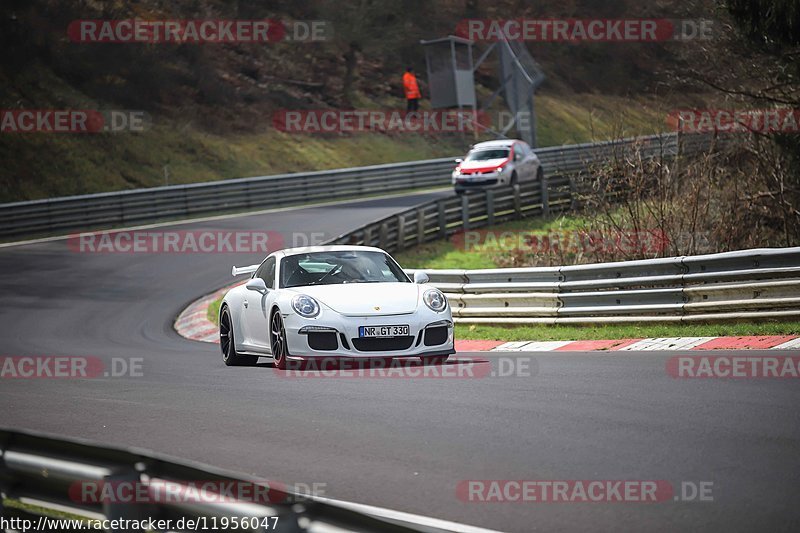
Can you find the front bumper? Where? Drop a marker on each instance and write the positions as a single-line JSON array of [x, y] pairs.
[[465, 182], [333, 335]]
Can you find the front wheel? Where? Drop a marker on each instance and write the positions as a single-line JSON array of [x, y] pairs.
[[280, 350], [227, 343], [429, 360], [514, 180]]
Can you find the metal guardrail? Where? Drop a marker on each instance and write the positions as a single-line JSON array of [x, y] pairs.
[[47, 476], [759, 283], [139, 206], [555, 193]]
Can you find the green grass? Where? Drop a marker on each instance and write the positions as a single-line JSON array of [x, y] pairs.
[[446, 254], [49, 165], [621, 331], [11, 503], [213, 310]]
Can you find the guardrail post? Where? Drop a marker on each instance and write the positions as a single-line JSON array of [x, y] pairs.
[[114, 510], [121, 210], [383, 235], [573, 194], [465, 211], [545, 194], [420, 214], [368, 236], [517, 201], [401, 232], [489, 207], [442, 217]]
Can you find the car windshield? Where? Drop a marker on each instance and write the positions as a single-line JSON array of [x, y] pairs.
[[485, 155], [330, 268]]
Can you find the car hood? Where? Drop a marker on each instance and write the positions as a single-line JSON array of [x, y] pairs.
[[365, 299], [482, 165]]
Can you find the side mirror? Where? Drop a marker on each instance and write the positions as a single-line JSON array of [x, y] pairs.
[[459, 161], [256, 284], [421, 277]]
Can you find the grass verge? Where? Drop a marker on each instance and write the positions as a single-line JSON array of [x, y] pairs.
[[621, 331], [11, 503], [448, 253], [213, 310]]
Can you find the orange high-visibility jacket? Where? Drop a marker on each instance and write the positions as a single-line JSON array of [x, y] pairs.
[[410, 86]]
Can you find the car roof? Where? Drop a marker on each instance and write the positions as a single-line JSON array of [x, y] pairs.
[[500, 143], [330, 248]]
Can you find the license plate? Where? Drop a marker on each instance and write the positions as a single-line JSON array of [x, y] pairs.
[[382, 331]]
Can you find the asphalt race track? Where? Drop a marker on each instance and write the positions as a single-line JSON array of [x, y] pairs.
[[399, 443]]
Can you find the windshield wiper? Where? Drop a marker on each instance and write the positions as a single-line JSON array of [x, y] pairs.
[[328, 273]]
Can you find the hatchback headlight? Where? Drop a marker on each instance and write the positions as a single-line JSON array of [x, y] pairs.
[[435, 300], [305, 306]]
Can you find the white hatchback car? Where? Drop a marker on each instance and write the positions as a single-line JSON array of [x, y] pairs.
[[506, 162], [333, 301]]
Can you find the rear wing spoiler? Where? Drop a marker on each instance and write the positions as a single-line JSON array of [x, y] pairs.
[[238, 271]]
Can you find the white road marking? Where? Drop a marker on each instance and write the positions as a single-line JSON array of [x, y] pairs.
[[414, 519], [543, 346], [510, 346], [669, 343], [793, 344]]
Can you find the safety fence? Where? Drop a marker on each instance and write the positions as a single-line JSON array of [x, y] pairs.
[[141, 206], [741, 285], [48, 481], [748, 284]]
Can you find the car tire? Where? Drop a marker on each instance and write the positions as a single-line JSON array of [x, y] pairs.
[[539, 174], [277, 338], [430, 360], [514, 181], [460, 192], [227, 342]]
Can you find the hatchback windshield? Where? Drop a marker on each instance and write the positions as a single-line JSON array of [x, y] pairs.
[[329, 268], [485, 155]]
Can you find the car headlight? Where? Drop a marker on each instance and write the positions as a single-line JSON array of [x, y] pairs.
[[435, 300], [305, 306]]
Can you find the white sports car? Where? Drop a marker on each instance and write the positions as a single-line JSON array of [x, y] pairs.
[[333, 301]]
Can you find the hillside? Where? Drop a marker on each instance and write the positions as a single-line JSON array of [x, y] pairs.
[[209, 106]]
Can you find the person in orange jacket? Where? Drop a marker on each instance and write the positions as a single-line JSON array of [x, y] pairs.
[[411, 89]]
